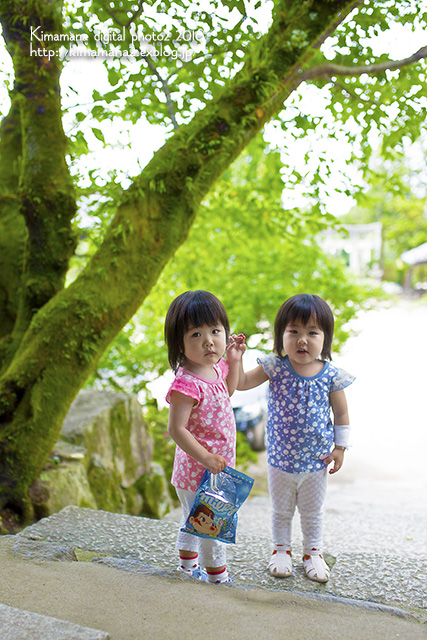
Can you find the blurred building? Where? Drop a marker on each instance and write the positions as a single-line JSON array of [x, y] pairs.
[[358, 244], [414, 258]]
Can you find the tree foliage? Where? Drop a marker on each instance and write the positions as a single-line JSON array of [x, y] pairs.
[[212, 103], [253, 254]]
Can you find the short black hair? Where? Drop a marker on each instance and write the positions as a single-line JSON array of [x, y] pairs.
[[191, 309], [302, 307]]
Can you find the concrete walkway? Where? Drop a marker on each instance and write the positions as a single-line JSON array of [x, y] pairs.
[[113, 575]]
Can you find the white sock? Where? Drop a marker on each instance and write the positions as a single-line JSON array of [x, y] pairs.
[[188, 564], [217, 578]]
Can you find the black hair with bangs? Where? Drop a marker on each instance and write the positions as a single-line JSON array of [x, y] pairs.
[[191, 309], [301, 308]]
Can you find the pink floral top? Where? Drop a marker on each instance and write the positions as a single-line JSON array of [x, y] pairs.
[[211, 422]]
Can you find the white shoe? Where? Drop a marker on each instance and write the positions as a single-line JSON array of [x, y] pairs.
[[280, 564], [195, 572], [316, 568]]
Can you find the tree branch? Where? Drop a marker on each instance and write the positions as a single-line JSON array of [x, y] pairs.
[[12, 224], [166, 91], [329, 69], [133, 17], [136, 13], [336, 22], [354, 95]]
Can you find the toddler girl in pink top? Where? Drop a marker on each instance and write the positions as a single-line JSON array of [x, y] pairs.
[[201, 419]]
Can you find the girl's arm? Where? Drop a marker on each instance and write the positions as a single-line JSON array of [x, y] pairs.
[[179, 414], [237, 376], [232, 376], [338, 403], [235, 350], [252, 378]]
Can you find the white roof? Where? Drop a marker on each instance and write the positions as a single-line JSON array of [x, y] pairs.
[[415, 256]]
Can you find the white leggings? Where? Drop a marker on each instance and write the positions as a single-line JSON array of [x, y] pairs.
[[303, 490], [212, 552]]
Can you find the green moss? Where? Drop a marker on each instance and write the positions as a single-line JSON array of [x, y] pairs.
[[12, 242], [68, 485], [35, 136], [134, 501], [105, 486], [83, 555], [153, 487]]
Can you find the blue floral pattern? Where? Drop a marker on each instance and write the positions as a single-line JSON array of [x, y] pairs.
[[299, 425]]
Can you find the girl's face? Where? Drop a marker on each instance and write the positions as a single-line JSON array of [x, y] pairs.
[[303, 343], [204, 345]]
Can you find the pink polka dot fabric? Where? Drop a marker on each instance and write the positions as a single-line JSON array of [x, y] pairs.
[[211, 422]]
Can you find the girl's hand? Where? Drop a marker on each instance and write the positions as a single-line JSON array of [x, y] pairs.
[[337, 457], [236, 348], [237, 340], [215, 463]]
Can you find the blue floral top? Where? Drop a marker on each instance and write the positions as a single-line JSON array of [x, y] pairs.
[[299, 426]]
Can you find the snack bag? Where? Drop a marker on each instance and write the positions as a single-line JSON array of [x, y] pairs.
[[218, 498]]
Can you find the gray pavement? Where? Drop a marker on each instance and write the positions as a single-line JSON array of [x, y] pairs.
[[16, 624], [365, 582], [375, 556], [133, 597]]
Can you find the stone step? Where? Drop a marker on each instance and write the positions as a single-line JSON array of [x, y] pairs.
[[143, 545], [17, 624]]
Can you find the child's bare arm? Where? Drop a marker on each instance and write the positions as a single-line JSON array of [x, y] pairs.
[[251, 379], [244, 380], [179, 413], [338, 403], [235, 350]]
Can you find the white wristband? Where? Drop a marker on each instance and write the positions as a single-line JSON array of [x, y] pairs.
[[342, 435]]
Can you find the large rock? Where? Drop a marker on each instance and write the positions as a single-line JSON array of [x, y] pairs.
[[103, 460]]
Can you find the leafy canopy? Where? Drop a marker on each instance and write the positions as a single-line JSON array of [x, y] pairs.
[[249, 251], [355, 111]]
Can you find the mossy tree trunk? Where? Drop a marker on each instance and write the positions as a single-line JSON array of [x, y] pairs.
[[53, 337], [12, 224], [38, 202]]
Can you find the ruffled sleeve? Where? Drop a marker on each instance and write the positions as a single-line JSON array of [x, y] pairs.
[[269, 363], [185, 386], [341, 380]]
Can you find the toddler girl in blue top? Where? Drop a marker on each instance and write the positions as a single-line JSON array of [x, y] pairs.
[[301, 438]]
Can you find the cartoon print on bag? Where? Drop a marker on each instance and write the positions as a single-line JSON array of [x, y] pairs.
[[203, 521]]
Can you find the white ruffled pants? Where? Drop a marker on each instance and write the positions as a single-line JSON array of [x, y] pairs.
[[212, 553]]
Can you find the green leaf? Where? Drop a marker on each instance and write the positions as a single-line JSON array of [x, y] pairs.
[[98, 134]]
